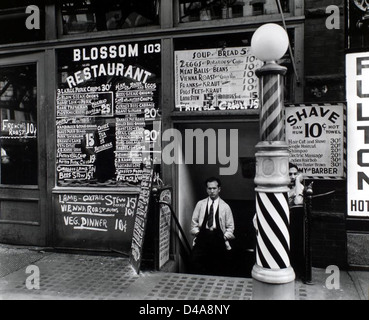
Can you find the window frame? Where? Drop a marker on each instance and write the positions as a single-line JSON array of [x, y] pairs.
[[110, 33], [296, 8]]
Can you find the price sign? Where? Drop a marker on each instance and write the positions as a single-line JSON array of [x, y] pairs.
[[315, 135], [107, 104], [216, 79]]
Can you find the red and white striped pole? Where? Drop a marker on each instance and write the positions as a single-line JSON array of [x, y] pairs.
[[269, 43]]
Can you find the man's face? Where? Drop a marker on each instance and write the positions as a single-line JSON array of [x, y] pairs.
[[213, 190], [293, 174]]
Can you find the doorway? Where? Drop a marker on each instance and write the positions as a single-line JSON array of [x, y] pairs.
[[22, 142], [237, 188]]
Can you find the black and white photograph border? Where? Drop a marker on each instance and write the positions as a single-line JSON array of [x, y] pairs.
[[184, 155]]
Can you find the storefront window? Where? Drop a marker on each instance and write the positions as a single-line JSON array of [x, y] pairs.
[[192, 10], [18, 115], [107, 113], [357, 24], [81, 16], [13, 17]]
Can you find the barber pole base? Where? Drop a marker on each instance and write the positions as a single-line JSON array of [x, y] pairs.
[[266, 291], [277, 276], [273, 215], [273, 239]]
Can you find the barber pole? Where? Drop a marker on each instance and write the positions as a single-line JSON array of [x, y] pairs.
[[272, 179], [271, 118]]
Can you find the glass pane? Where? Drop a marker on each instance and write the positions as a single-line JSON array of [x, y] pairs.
[[108, 113], [81, 16], [203, 10], [18, 115], [13, 15], [357, 21]]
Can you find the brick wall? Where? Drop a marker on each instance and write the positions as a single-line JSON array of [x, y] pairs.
[[325, 66], [329, 240], [324, 53], [328, 230]]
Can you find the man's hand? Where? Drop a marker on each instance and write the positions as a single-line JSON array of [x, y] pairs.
[[299, 178]]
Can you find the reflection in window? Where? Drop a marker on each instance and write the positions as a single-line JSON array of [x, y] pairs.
[[18, 116], [202, 10], [13, 15], [81, 16], [357, 24]]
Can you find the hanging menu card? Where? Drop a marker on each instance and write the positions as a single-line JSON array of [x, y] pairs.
[[106, 110]]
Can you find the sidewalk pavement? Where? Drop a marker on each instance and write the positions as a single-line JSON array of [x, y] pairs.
[[66, 276]]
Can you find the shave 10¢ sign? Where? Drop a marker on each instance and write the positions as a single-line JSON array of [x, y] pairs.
[[316, 139]]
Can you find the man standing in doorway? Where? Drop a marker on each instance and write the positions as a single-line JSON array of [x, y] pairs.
[[213, 226], [296, 203], [296, 193]]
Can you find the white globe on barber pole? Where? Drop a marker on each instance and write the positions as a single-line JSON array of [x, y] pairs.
[[269, 42]]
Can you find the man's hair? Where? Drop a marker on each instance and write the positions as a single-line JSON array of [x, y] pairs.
[[292, 165], [213, 179]]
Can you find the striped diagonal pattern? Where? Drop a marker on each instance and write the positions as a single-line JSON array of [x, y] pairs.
[[272, 116], [273, 239]]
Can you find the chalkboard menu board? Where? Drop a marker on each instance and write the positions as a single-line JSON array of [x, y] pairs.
[[107, 113], [95, 220], [106, 219], [220, 79]]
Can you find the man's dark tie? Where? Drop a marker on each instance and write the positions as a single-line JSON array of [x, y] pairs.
[[211, 216]]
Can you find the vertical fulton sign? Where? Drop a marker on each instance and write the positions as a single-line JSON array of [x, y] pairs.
[[357, 76]]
